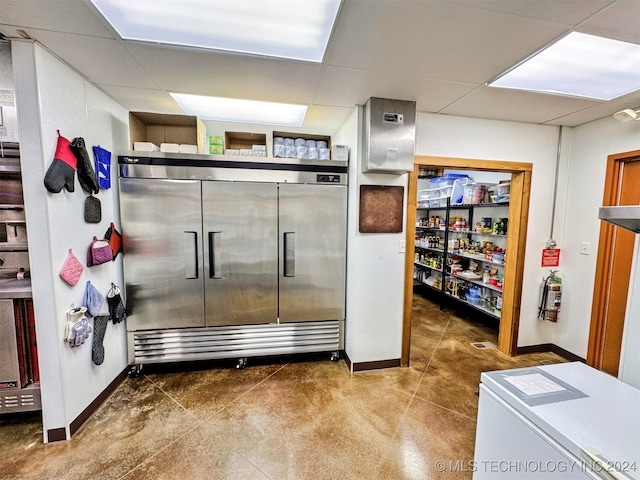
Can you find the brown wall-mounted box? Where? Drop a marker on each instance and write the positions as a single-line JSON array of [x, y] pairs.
[[158, 128]]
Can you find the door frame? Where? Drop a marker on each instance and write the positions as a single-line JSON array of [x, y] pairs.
[[516, 242], [604, 262]]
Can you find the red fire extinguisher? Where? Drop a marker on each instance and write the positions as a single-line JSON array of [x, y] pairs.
[[551, 298]]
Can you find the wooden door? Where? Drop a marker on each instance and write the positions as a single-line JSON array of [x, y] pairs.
[[615, 255]]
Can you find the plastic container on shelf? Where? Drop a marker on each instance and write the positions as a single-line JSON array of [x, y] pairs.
[[500, 198], [448, 179], [457, 190], [497, 257], [503, 188], [473, 299]]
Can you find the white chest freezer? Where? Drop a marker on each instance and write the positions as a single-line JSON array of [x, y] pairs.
[[555, 422]]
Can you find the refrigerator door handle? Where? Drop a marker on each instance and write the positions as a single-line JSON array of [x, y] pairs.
[[190, 255], [215, 259], [289, 267]]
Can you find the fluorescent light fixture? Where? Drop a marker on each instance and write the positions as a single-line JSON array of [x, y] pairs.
[[292, 29], [243, 111], [578, 65]]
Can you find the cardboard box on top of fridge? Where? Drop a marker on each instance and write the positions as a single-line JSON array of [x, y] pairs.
[[243, 140], [158, 128]]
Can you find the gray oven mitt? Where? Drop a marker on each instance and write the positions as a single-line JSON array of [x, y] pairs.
[[99, 329]]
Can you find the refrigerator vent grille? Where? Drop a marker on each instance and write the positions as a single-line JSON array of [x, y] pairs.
[[167, 345], [18, 402]]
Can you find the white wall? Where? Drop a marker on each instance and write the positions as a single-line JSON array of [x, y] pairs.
[[375, 268], [9, 116], [51, 96], [460, 137], [591, 143]]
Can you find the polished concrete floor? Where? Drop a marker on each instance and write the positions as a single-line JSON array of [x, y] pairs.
[[301, 417]]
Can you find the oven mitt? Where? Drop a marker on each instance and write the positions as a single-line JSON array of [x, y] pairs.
[[92, 210], [93, 299], [61, 172], [117, 310], [99, 329], [102, 160], [86, 174], [114, 238]]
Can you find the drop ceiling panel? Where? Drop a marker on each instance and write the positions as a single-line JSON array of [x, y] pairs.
[[73, 16], [347, 86], [620, 21], [586, 115], [143, 100], [325, 120], [444, 41], [600, 110], [570, 12], [504, 104], [225, 75], [104, 61]]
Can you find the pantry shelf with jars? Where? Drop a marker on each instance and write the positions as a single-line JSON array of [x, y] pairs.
[[461, 232]]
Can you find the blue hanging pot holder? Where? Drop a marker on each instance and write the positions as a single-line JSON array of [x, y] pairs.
[[102, 159]]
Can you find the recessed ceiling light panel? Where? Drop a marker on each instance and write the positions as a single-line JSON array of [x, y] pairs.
[[243, 111], [292, 29], [578, 65]]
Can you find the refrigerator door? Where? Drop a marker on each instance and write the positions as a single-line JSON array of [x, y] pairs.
[[162, 245], [241, 264], [312, 233]]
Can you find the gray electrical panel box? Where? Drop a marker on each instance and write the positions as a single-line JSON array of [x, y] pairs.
[[389, 135]]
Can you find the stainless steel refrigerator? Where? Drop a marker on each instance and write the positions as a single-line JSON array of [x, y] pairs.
[[232, 259]]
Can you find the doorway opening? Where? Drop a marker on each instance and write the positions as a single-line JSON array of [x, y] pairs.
[[515, 242]]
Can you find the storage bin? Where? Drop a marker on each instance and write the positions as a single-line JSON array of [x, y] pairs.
[[427, 193], [448, 178], [474, 291], [457, 190], [503, 188], [438, 202], [473, 299], [475, 193]]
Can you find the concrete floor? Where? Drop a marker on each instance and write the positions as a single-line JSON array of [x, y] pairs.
[[300, 417]]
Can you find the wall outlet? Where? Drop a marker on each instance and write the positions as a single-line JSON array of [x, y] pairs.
[[402, 246], [585, 248]]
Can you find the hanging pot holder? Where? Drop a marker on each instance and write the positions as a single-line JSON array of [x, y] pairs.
[[115, 240], [102, 160], [92, 210], [71, 269], [99, 252]]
